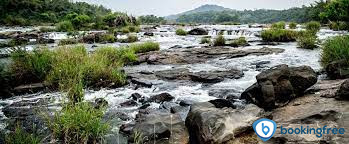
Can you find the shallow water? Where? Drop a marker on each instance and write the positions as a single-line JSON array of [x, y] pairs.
[[184, 90]]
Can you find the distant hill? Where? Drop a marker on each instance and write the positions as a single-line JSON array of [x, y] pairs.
[[203, 8], [217, 14]]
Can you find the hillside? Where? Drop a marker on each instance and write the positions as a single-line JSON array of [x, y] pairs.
[[203, 8]]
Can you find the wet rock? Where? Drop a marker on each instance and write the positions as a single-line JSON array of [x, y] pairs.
[[261, 64], [144, 106], [142, 82], [277, 86], [182, 111], [29, 89], [167, 105], [136, 96], [176, 47], [343, 91], [149, 34], [215, 76], [174, 74], [222, 103], [269, 43], [198, 31], [127, 128], [129, 103], [338, 70], [160, 98], [111, 114], [210, 125], [162, 128], [100, 103], [186, 103], [45, 41], [223, 93]]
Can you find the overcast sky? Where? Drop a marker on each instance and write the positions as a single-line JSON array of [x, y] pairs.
[[168, 7]]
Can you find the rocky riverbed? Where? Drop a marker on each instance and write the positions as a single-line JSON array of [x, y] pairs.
[[192, 92]]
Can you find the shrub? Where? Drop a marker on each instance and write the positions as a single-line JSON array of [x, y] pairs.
[[181, 32], [335, 49], [67, 42], [278, 25], [132, 38], [313, 26], [219, 41], [81, 21], [65, 26], [134, 29], [307, 40], [79, 123], [47, 29], [145, 47], [279, 35], [205, 40], [125, 30], [17, 42], [292, 25], [19, 136], [241, 41], [339, 26], [107, 38]]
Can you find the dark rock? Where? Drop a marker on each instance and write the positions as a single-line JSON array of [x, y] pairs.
[[343, 91], [223, 93], [221, 103], [160, 98], [338, 70], [29, 89], [45, 41], [167, 105], [136, 96], [129, 103], [198, 31], [186, 103], [210, 125], [149, 34], [127, 128], [142, 82], [144, 106], [277, 86], [215, 76], [100, 103], [111, 114]]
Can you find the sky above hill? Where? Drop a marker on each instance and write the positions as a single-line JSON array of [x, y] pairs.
[[169, 7]]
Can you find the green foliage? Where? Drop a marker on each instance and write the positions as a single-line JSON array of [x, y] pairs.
[[132, 38], [145, 47], [313, 26], [278, 25], [125, 30], [151, 19], [20, 136], [119, 20], [181, 32], [292, 25], [335, 49], [65, 26], [81, 21], [79, 123], [279, 35], [241, 41], [110, 38], [219, 41], [336, 10], [134, 29], [47, 29], [307, 40], [205, 40], [209, 17], [67, 42], [339, 26]]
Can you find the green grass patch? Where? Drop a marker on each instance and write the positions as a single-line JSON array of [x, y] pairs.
[[205, 40], [292, 25], [79, 123], [67, 42], [241, 41], [219, 41], [181, 32], [307, 40], [279, 25], [145, 47], [20, 136], [64, 26], [313, 26], [110, 38], [335, 49], [279, 35]]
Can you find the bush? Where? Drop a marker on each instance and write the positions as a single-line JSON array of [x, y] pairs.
[[241, 41], [134, 29], [307, 40], [205, 40], [79, 123], [47, 29], [132, 38], [181, 32], [65, 26], [292, 25], [107, 38], [145, 47], [335, 49], [313, 26], [67, 42], [219, 41], [19, 136], [339, 26], [81, 21], [125, 30], [278, 25], [279, 35]]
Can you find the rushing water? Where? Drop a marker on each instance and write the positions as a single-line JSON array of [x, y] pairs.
[[184, 90]]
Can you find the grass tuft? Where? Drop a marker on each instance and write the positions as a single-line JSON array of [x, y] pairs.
[[19, 136], [279, 35], [181, 32], [219, 41], [145, 47], [241, 41], [335, 49], [292, 25]]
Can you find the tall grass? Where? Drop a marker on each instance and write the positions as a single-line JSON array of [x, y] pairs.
[[219, 41], [67, 42], [145, 47], [181, 32], [307, 40], [279, 35], [313, 26], [20, 136], [79, 123], [279, 25], [65, 26], [292, 25], [205, 40], [241, 41], [334, 49]]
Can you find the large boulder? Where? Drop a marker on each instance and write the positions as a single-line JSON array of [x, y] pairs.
[[277, 86], [343, 91], [160, 98], [198, 31], [337, 69], [208, 124]]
